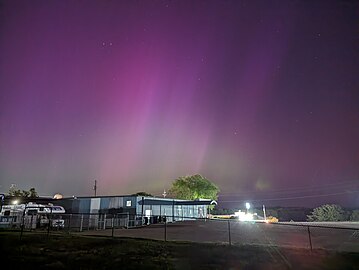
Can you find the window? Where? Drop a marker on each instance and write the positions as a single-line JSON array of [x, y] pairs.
[[128, 203], [148, 213], [31, 212]]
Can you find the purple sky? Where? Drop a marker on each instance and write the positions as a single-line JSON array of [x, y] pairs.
[[261, 97]]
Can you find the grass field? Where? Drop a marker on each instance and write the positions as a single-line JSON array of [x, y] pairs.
[[37, 251]]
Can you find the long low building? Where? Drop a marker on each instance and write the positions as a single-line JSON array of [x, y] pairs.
[[146, 209]]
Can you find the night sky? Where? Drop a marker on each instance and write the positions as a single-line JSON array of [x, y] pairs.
[[261, 97]]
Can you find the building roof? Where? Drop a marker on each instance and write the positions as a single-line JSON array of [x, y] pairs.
[[149, 201], [153, 200]]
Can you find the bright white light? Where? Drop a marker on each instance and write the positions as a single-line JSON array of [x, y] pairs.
[[242, 216], [15, 201], [248, 205]]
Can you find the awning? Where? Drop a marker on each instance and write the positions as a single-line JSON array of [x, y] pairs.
[[176, 202]]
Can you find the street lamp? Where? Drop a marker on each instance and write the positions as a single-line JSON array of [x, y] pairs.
[[248, 205]]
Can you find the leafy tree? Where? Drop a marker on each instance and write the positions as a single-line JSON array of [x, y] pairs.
[[355, 215], [193, 187], [142, 193], [24, 193], [33, 193], [327, 212]]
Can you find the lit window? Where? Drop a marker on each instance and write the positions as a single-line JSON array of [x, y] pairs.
[[128, 203]]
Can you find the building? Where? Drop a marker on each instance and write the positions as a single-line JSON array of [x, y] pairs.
[[139, 210]]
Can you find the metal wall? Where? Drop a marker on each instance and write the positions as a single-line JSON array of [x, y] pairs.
[[151, 209]]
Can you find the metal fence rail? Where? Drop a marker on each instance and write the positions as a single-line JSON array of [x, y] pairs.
[[231, 231]]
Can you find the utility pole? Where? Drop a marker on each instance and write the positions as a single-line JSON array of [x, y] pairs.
[[95, 187], [164, 194], [264, 213]]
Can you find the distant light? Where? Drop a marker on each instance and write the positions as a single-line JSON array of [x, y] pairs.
[[242, 216], [58, 196], [15, 202], [248, 205]]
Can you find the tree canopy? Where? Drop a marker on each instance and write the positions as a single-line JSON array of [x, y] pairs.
[[142, 193], [193, 187], [31, 193], [327, 212]]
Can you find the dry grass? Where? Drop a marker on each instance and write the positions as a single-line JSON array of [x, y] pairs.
[[73, 252]]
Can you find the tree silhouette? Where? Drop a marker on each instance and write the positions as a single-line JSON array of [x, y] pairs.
[[327, 212], [193, 187]]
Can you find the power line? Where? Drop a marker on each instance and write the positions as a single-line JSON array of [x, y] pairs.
[[296, 197], [349, 184], [311, 187]]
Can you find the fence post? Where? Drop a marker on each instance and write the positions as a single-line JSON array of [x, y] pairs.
[[104, 222], [165, 229], [22, 224], [69, 227], [112, 224], [50, 221], [81, 222], [48, 227], [229, 233], [310, 239]]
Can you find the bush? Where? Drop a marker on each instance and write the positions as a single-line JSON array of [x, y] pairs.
[[355, 215], [327, 212]]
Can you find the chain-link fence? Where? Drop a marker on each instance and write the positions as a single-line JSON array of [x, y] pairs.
[[231, 231]]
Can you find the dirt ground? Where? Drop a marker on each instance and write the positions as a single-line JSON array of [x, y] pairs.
[[212, 231], [62, 251]]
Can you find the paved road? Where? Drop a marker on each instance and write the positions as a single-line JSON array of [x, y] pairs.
[[245, 233]]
